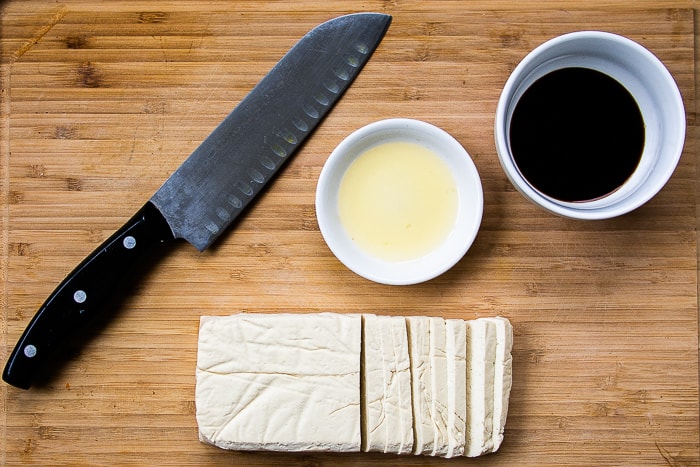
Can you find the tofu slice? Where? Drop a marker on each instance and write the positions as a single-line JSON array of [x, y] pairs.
[[375, 413], [456, 345], [503, 378], [418, 328], [397, 384], [279, 382], [481, 356], [439, 386]]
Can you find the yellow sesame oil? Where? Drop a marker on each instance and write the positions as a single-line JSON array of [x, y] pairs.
[[398, 201]]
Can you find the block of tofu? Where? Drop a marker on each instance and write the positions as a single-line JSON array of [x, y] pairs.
[[279, 382], [456, 345], [503, 378], [387, 413], [440, 385], [418, 328], [481, 356]]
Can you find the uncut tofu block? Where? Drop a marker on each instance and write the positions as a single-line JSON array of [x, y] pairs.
[[279, 382], [386, 375]]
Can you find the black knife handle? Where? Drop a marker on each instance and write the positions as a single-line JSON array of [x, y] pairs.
[[84, 294]]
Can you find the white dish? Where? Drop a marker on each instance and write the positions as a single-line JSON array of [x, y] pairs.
[[469, 204], [647, 80]]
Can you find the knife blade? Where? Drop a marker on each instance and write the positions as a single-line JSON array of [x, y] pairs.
[[216, 182]]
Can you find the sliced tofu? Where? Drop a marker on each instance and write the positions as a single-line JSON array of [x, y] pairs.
[[456, 345], [279, 382], [503, 378], [418, 328], [397, 385], [481, 356], [439, 386], [340, 382], [374, 413], [387, 417]]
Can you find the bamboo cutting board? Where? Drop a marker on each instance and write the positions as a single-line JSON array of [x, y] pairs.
[[101, 101]]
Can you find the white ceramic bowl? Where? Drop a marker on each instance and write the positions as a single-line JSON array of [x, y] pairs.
[[649, 82], [469, 210]]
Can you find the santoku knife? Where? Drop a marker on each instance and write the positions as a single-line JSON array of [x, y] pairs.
[[215, 184]]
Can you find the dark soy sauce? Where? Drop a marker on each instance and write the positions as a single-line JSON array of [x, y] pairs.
[[576, 134]]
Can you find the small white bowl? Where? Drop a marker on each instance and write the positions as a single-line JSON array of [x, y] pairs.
[[645, 77], [469, 209]]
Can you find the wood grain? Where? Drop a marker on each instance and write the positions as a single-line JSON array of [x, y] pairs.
[[101, 101]]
